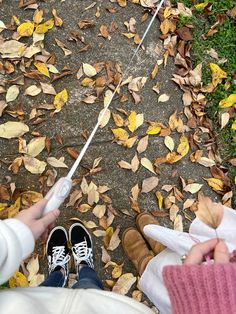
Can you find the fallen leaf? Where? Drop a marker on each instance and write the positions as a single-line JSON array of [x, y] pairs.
[[12, 93], [122, 3], [18, 280], [217, 74], [57, 20], [29, 198], [38, 16], [115, 240], [34, 165], [120, 134], [25, 29], [193, 187], [173, 157], [163, 98], [119, 121], [12, 49], [42, 68], [57, 163], [154, 128], [160, 199], [216, 184], [89, 70], [60, 99], [48, 89], [178, 223], [142, 144], [44, 27], [147, 164], [169, 143], [206, 162], [36, 146], [13, 129], [183, 147], [33, 90], [149, 184], [228, 102], [124, 283], [106, 117], [224, 119], [125, 165], [99, 210]]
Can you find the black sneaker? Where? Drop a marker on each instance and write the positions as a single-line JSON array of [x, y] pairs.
[[82, 246], [58, 252]]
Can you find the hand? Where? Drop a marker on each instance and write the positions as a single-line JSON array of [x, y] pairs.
[[32, 217], [215, 248]]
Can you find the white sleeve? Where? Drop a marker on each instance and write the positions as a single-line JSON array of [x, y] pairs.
[[16, 243]]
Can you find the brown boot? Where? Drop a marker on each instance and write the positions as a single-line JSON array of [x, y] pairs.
[[136, 249], [144, 219]]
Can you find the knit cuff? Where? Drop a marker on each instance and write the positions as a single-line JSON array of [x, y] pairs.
[[205, 289], [23, 234]]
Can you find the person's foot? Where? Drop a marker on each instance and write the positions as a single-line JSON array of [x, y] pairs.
[[82, 246], [136, 249], [142, 220], [58, 252]]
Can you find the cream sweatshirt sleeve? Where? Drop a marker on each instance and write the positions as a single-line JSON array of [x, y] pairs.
[[16, 243]]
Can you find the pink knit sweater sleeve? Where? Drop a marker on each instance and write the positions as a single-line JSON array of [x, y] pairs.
[[202, 289]]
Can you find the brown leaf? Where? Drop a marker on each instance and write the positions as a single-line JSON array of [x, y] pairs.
[[184, 33], [115, 240], [104, 32], [72, 152], [149, 184], [83, 24], [4, 193], [208, 212], [142, 144]]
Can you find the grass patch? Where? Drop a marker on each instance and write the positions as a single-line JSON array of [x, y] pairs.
[[224, 43]]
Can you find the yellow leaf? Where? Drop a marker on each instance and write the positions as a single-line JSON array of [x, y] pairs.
[[154, 128], [173, 157], [201, 6], [87, 82], [26, 29], [217, 74], [60, 99], [160, 199], [216, 184], [122, 3], [38, 16], [228, 102], [43, 28], [120, 134], [42, 68], [18, 280], [14, 209], [233, 127], [132, 121], [183, 147]]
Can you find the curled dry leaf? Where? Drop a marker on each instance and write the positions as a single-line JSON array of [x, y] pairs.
[[57, 163], [13, 129], [208, 212], [149, 184], [115, 240], [124, 283], [29, 198]]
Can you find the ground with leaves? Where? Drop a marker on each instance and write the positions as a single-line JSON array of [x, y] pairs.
[[155, 149]]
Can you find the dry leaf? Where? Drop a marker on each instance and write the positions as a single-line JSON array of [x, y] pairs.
[[147, 164], [124, 283], [42, 68], [60, 99], [163, 98], [12, 93], [169, 143], [25, 29], [57, 163], [178, 223], [89, 70], [115, 240], [13, 129], [105, 118], [34, 165], [29, 198], [183, 147], [208, 212], [142, 144], [216, 184], [193, 187], [33, 90], [149, 184], [18, 280], [99, 210], [48, 89]]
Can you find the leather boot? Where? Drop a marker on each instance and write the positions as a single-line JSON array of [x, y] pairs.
[[142, 220], [136, 249]]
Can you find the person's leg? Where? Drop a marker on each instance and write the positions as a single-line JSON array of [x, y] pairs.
[[55, 279], [82, 249], [58, 258], [87, 279]]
